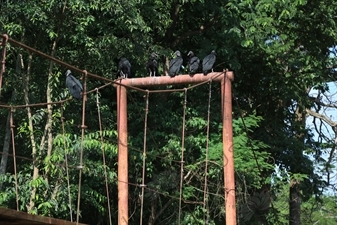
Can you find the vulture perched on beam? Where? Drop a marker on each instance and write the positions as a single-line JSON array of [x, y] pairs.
[[124, 68], [175, 64], [193, 63], [152, 65], [75, 87], [208, 62]]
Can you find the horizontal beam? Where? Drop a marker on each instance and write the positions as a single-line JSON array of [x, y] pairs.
[[180, 79], [10, 216]]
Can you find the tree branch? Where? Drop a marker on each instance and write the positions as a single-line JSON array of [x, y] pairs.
[[322, 117], [317, 101]]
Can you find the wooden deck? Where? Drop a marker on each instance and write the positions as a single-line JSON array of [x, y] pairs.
[[13, 217]]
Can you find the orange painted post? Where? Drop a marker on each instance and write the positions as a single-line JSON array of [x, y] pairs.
[[122, 126], [228, 154], [226, 103], [177, 80]]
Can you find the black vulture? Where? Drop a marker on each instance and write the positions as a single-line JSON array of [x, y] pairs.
[[208, 62], [193, 63], [124, 68], [75, 87], [152, 64], [175, 64]]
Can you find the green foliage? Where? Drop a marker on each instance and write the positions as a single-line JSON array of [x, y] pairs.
[[278, 50], [250, 156], [320, 212]]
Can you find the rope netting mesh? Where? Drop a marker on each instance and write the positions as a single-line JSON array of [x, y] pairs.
[[144, 153], [182, 176]]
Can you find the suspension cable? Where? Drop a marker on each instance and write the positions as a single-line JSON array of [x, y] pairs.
[[83, 127], [206, 215], [100, 87], [34, 104], [144, 158], [103, 153], [66, 161], [182, 156], [14, 159]]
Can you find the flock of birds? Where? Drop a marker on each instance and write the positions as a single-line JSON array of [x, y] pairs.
[[124, 66], [124, 69]]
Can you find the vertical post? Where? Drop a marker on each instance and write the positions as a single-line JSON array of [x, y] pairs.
[[227, 138], [122, 155]]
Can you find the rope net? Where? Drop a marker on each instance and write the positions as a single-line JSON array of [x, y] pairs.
[[162, 162], [170, 169], [160, 154]]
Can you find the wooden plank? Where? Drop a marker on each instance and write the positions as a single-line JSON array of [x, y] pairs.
[[13, 217]]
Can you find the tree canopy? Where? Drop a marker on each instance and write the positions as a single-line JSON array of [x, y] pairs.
[[283, 57]]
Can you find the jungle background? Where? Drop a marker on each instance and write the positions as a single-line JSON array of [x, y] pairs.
[[282, 53]]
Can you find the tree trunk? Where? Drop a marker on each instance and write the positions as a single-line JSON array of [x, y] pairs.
[[294, 188], [49, 122], [5, 150], [48, 127], [152, 217], [7, 140], [294, 203], [31, 204]]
